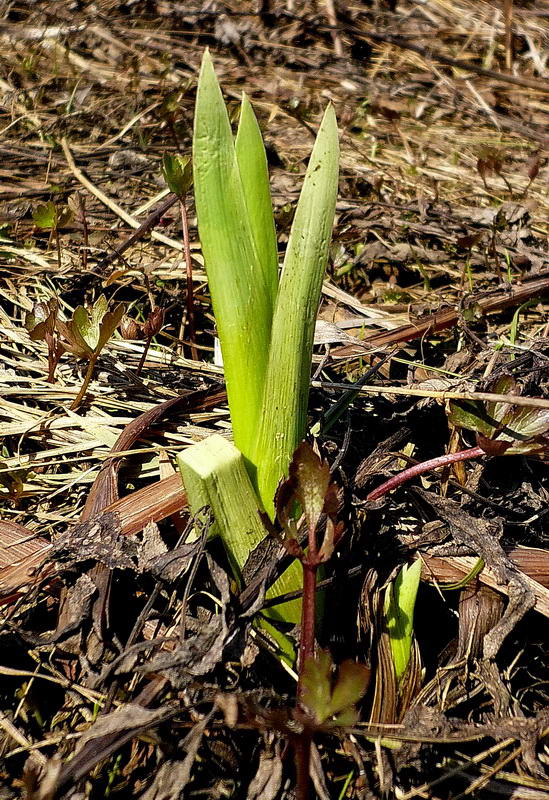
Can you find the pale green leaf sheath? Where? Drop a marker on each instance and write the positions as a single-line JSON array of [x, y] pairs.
[[215, 476], [400, 600], [286, 392], [241, 290]]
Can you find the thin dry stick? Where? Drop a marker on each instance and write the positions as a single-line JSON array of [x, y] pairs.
[[57, 245], [332, 19], [508, 20], [84, 220], [128, 219], [410, 391], [189, 269]]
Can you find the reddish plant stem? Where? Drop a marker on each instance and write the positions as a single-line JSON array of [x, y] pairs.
[[307, 638], [52, 361], [85, 233], [302, 750], [86, 382], [143, 355], [424, 466], [189, 268], [302, 743]]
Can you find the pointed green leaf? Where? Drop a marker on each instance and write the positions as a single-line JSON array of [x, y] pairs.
[[252, 164], [241, 296], [345, 718], [287, 380], [400, 600], [316, 685], [108, 325], [352, 682]]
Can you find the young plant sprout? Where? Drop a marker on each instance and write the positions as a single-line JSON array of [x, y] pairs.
[[265, 324], [501, 429]]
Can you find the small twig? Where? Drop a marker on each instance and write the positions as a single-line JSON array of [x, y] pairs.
[[144, 355], [437, 394], [332, 19], [189, 270], [128, 219], [508, 21], [485, 303], [85, 233]]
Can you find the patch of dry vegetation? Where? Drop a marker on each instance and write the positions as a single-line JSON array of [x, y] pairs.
[[127, 663]]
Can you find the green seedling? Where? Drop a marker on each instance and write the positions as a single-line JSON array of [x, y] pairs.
[[332, 703], [265, 325], [501, 429], [51, 217], [177, 171], [400, 600], [310, 495], [325, 704], [41, 325], [12, 478], [87, 333]]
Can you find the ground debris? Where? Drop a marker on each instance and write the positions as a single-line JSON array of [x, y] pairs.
[[120, 634]]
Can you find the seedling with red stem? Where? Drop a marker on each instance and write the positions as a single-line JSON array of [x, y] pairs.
[[501, 429]]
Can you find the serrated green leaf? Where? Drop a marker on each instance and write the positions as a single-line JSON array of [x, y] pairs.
[[90, 328], [45, 216], [178, 173], [345, 718], [109, 324], [316, 685], [352, 682], [73, 341]]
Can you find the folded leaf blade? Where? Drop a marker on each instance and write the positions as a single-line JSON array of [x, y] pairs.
[[240, 296], [254, 174], [287, 379]]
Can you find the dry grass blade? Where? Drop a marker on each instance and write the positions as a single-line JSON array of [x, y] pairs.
[[21, 554]]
